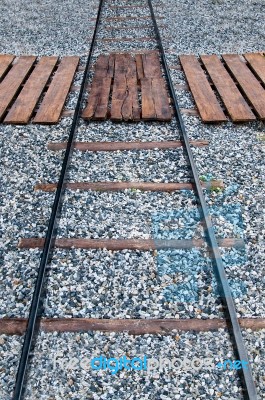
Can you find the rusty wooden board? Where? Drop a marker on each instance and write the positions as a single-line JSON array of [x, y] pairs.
[[97, 107], [123, 96], [257, 64], [116, 186], [114, 146], [129, 244], [234, 102], [205, 99], [151, 326], [12, 82], [27, 99], [248, 83], [53, 102]]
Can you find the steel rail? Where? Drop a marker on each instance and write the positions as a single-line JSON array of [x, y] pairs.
[[250, 392], [35, 314]]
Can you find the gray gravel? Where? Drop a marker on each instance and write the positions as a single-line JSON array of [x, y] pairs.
[[129, 284], [236, 155], [46, 27], [127, 132], [132, 284], [77, 383], [213, 26], [49, 382], [141, 165]]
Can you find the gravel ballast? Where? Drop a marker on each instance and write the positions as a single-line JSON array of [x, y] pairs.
[[132, 284]]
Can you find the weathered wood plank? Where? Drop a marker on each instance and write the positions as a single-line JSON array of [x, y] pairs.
[[114, 186], [155, 105], [68, 113], [104, 67], [162, 108], [257, 64], [234, 102], [127, 18], [205, 99], [127, 39], [53, 102], [97, 106], [176, 67], [27, 99], [181, 87], [114, 146], [5, 62], [129, 244], [17, 326], [151, 65], [124, 104], [148, 103], [190, 111], [247, 82], [139, 66], [13, 80], [131, 6]]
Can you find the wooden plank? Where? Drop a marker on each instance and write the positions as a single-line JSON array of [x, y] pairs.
[[130, 108], [162, 108], [127, 18], [155, 105], [148, 103], [27, 99], [139, 66], [176, 67], [133, 7], [5, 62], [10, 86], [68, 113], [114, 146], [205, 99], [75, 88], [257, 64], [247, 82], [114, 186], [53, 102], [234, 102], [181, 87], [97, 105], [104, 67], [190, 111], [129, 244], [128, 39], [119, 28], [151, 65], [124, 104], [17, 326]]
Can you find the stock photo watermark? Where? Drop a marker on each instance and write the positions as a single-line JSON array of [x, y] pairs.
[[186, 226], [144, 364]]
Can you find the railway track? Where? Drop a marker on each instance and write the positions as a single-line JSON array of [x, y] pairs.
[[190, 182]]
